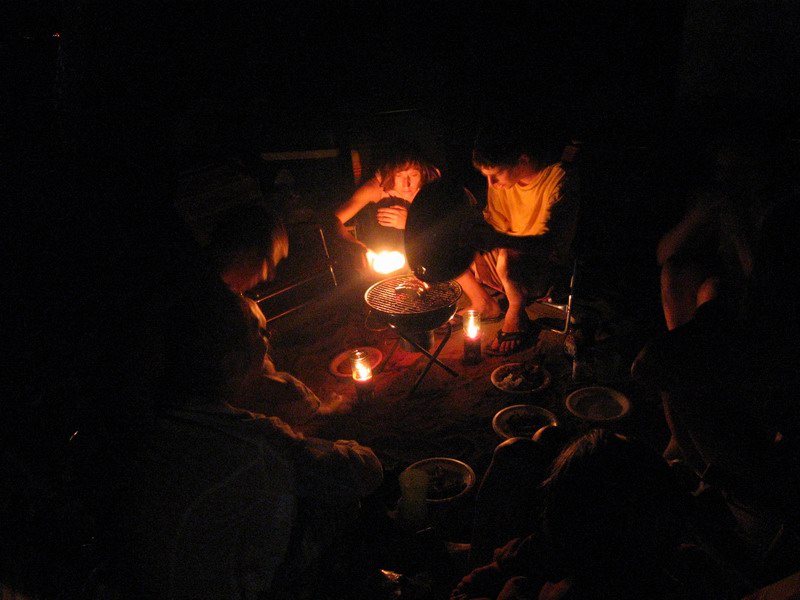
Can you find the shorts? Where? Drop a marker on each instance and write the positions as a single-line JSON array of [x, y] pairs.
[[532, 273]]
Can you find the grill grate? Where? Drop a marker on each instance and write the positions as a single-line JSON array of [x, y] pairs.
[[383, 297]]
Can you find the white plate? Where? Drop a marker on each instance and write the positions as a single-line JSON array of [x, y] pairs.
[[340, 366], [522, 420], [598, 403], [503, 371], [448, 478]]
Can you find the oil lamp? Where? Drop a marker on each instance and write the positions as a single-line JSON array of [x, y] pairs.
[[386, 261], [362, 375], [471, 321]]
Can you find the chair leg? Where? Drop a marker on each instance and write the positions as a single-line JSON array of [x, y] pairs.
[[328, 256], [565, 308], [568, 311], [327, 263]]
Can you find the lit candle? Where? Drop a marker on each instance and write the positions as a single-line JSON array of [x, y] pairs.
[[362, 375], [471, 320]]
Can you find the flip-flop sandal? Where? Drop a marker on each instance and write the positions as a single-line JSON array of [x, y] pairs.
[[523, 337]]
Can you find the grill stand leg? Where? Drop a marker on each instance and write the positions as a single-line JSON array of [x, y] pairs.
[[432, 358], [388, 357]]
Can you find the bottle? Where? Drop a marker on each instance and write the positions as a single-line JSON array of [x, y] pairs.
[[576, 348], [412, 505]]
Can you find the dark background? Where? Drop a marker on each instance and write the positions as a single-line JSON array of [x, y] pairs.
[[106, 104]]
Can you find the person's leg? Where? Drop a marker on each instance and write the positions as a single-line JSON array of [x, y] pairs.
[[708, 291], [680, 285], [516, 319], [479, 298], [680, 446]]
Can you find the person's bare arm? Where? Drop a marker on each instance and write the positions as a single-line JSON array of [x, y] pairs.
[[368, 192], [694, 226]]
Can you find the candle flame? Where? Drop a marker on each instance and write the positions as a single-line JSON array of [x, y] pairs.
[[359, 364], [386, 261], [472, 324], [361, 372]]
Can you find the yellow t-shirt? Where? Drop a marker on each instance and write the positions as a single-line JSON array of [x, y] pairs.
[[525, 210]]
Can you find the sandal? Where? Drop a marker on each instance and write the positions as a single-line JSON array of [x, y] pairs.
[[524, 339]]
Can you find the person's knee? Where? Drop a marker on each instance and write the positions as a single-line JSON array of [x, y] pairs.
[[683, 278], [669, 273], [502, 264], [708, 290]]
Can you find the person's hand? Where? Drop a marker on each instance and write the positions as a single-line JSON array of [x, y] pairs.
[[393, 216]]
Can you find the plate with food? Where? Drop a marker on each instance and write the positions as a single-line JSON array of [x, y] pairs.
[[522, 420], [448, 478], [597, 403], [521, 378]]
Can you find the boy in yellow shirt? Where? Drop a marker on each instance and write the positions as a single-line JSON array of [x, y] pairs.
[[533, 200]]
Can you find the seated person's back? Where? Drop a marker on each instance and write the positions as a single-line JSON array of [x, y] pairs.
[[211, 510], [245, 247], [216, 497]]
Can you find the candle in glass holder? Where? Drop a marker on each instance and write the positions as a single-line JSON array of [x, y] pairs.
[[471, 320], [362, 375]]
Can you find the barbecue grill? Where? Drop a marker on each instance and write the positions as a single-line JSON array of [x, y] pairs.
[[414, 309]]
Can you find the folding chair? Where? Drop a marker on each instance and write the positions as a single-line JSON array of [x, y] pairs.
[[550, 300], [303, 277]]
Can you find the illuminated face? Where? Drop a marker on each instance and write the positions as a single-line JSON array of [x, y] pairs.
[[407, 182], [503, 178]]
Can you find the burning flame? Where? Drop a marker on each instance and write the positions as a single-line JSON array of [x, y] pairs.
[[386, 262], [472, 324], [359, 363], [362, 372]]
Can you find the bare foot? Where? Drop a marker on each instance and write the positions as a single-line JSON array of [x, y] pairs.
[[488, 310]]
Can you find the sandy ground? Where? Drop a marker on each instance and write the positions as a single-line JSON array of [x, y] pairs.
[[447, 416]]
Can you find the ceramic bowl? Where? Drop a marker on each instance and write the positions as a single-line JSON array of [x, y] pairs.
[[598, 404], [448, 478], [508, 379]]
